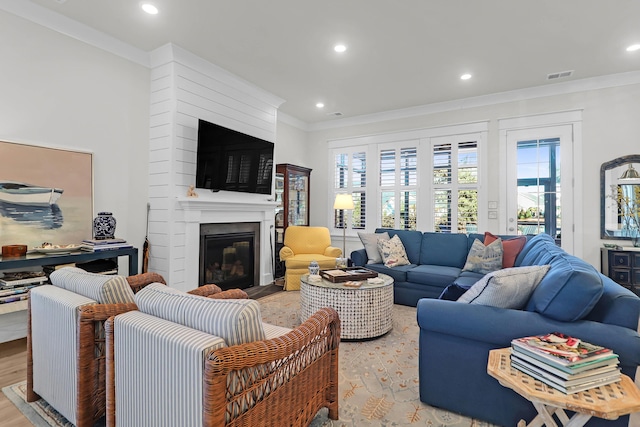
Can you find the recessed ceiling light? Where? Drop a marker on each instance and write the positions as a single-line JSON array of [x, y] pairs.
[[633, 47], [339, 48], [320, 105], [465, 76], [149, 8]]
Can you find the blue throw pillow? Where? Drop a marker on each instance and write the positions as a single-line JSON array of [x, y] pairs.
[[453, 292]]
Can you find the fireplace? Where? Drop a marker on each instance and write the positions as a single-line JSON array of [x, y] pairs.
[[229, 255]]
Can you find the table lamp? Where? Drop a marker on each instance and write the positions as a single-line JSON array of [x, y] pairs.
[[343, 202]]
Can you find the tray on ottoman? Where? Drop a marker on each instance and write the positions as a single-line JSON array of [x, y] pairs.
[[347, 274]]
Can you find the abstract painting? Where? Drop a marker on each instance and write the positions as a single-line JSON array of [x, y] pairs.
[[46, 195]]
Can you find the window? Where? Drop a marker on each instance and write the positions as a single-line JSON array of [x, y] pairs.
[[455, 186], [423, 179], [399, 186], [351, 177]]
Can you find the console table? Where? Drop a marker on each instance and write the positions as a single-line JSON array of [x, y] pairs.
[[13, 316]]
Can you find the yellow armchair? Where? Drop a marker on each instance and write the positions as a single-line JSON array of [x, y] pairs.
[[303, 245]]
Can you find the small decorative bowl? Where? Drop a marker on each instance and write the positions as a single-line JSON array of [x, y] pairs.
[[610, 245]]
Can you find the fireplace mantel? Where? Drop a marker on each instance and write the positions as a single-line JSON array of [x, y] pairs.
[[225, 207]]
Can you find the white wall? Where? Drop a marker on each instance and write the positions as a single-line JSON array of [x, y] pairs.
[[57, 91], [610, 129]]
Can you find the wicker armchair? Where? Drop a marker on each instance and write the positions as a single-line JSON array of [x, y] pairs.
[[89, 393], [283, 380]]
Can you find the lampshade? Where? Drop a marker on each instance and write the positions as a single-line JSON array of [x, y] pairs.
[[630, 173], [343, 201]]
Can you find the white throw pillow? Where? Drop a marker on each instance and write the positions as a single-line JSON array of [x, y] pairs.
[[484, 259], [370, 242], [393, 252], [506, 288]]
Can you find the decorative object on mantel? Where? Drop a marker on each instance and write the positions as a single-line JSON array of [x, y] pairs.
[[13, 251], [191, 192], [104, 226]]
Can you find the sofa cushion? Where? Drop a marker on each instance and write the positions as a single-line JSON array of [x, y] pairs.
[[510, 247], [506, 288], [105, 289], [392, 252], [434, 275], [370, 242], [484, 259], [569, 291], [533, 245], [237, 321], [399, 274], [447, 249]]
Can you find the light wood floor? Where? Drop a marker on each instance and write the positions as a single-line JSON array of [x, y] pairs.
[[13, 369]]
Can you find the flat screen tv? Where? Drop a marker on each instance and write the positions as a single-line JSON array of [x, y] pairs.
[[232, 161]]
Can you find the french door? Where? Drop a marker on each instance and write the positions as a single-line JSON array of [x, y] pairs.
[[539, 186]]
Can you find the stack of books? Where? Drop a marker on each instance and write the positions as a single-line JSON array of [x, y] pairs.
[[15, 286], [96, 245], [565, 363]]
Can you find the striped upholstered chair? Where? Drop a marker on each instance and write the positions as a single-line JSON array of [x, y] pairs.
[[183, 360], [65, 340]]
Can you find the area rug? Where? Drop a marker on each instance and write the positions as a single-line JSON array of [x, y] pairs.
[[378, 383]]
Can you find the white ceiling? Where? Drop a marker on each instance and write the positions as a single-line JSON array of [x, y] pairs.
[[401, 53]]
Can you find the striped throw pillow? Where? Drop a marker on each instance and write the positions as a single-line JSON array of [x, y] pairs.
[[105, 289]]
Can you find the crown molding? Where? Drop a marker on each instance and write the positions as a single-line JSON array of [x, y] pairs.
[[74, 29], [293, 121], [582, 85]]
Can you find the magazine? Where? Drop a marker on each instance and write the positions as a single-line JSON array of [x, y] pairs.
[[578, 379], [573, 388], [576, 371], [564, 349]]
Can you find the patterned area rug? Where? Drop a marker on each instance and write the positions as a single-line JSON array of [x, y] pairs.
[[378, 381]]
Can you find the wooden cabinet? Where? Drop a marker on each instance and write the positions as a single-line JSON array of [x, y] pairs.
[[623, 266], [292, 192]]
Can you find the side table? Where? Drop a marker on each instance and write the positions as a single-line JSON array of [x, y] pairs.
[[608, 402]]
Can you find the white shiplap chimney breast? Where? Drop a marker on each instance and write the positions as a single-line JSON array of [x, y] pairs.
[[185, 88]]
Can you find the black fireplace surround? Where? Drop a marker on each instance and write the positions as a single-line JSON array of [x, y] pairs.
[[230, 254]]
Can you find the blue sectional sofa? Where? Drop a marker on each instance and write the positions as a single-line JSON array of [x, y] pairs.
[[455, 337], [437, 260]]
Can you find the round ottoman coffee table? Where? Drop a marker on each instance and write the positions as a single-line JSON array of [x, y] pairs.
[[365, 312]]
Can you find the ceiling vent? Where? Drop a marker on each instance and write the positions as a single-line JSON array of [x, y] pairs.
[[559, 75], [60, 1], [335, 114]]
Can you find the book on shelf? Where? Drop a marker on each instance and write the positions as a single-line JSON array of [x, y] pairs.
[[97, 242], [16, 291], [579, 371], [567, 386], [561, 349], [109, 247], [11, 280], [13, 298]]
